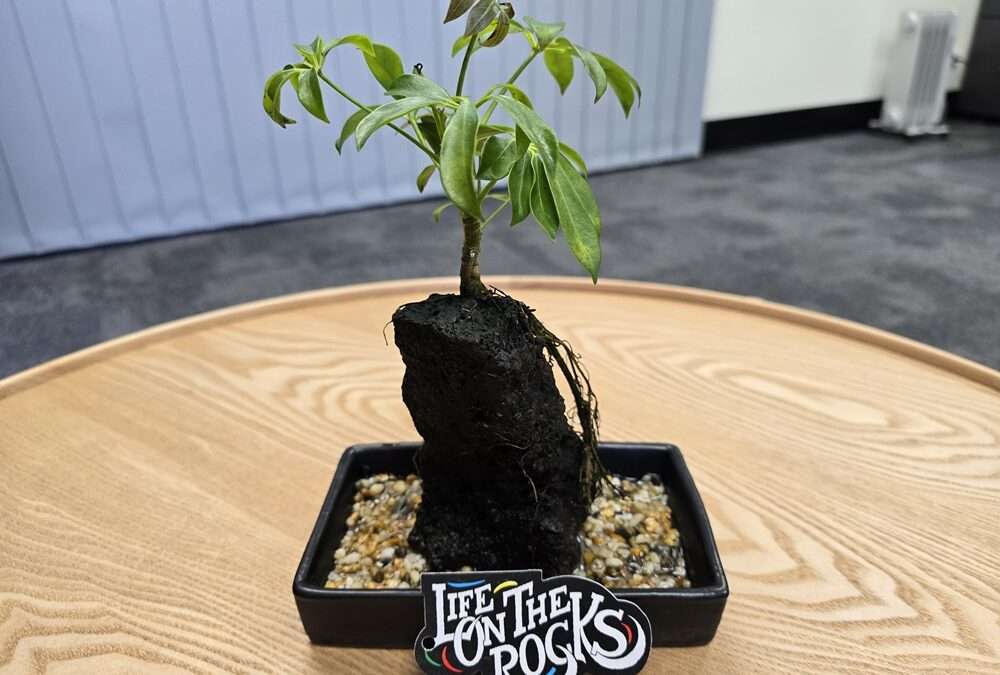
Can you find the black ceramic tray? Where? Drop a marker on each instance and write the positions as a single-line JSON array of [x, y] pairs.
[[391, 618]]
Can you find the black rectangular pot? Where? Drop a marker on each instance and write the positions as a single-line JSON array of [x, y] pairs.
[[391, 618]]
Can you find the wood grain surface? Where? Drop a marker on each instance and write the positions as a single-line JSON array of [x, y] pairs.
[[157, 491]]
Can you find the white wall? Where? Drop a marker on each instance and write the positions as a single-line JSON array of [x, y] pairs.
[[774, 55]]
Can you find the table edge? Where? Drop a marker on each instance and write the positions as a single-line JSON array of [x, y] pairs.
[[892, 342]]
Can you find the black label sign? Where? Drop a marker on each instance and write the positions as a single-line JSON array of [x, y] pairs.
[[516, 623]]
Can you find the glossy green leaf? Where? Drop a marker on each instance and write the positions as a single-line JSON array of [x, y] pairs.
[[498, 156], [272, 96], [409, 84], [594, 69], [362, 42], [457, 8], [385, 65], [462, 41], [424, 176], [522, 141], [439, 210], [310, 95], [534, 127], [543, 207], [579, 216], [306, 52], [574, 157], [386, 113], [317, 49], [458, 149], [501, 26], [514, 92], [560, 64], [519, 185], [487, 130], [481, 15], [623, 84], [544, 32], [350, 124], [429, 130]]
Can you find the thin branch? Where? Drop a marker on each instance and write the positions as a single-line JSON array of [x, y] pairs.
[[517, 73], [482, 225], [361, 105], [486, 190]]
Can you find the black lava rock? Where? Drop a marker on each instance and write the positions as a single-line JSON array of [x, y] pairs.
[[501, 466]]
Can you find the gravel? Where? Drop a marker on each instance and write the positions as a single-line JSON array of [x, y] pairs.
[[628, 541]]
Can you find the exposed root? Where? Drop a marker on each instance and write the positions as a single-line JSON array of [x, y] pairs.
[[560, 352]]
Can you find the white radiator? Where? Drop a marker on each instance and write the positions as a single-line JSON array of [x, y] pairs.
[[917, 76]]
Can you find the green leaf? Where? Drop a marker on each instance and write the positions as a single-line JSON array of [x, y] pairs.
[[310, 95], [386, 113], [272, 96], [623, 84], [498, 156], [418, 85], [385, 65], [515, 93], [519, 185], [578, 215], [439, 210], [429, 130], [594, 69], [317, 49], [544, 32], [543, 207], [350, 124], [573, 156], [481, 15], [457, 8], [501, 26], [306, 52], [362, 42], [458, 149], [460, 44], [522, 141], [534, 127], [487, 130], [425, 175], [560, 64]]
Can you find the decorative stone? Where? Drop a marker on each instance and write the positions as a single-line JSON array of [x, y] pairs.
[[628, 540]]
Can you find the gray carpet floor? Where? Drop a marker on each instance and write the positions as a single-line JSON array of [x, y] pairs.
[[903, 236]]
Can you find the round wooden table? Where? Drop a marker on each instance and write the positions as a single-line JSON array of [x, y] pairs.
[[157, 490]]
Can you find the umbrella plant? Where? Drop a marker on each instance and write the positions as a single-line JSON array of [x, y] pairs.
[[478, 378]]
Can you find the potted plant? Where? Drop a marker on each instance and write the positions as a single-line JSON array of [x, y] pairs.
[[506, 482]]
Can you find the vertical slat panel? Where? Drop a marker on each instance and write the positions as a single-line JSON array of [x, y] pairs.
[[188, 37], [238, 50], [149, 122], [149, 54], [69, 106], [696, 30], [14, 232], [35, 168]]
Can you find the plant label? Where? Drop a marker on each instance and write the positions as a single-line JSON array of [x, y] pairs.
[[517, 623]]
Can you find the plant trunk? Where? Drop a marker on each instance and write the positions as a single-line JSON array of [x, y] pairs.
[[504, 474], [471, 286]]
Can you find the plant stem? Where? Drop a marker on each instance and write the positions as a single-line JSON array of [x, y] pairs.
[[486, 190], [465, 65], [470, 285], [361, 105], [496, 212], [517, 73]]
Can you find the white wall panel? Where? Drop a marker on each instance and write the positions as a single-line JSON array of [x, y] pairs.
[[770, 56], [126, 119]]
